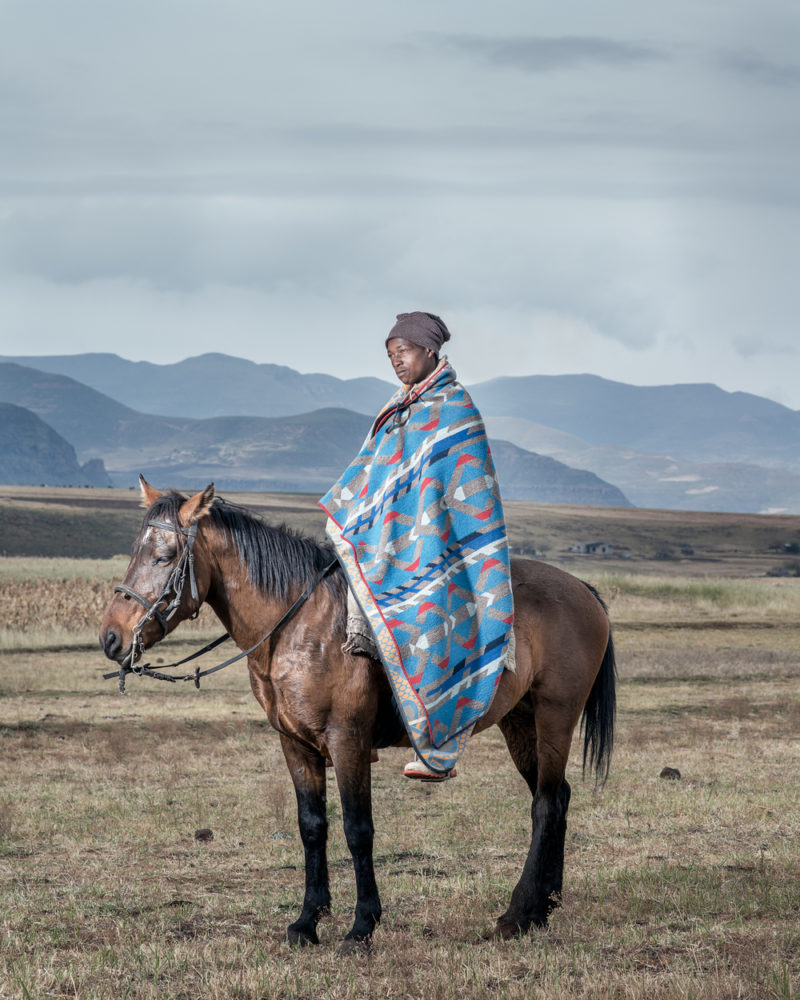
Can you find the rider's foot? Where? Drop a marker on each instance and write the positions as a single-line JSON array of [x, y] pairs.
[[417, 768]]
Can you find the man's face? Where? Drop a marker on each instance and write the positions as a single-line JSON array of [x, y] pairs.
[[411, 362]]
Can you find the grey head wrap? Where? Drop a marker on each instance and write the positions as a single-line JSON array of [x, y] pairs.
[[420, 328]]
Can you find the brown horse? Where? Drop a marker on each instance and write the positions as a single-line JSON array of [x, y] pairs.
[[330, 705]]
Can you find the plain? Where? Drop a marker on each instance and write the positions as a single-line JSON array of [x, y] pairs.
[[683, 888]]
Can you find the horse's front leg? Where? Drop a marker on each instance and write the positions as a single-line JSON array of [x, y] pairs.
[[308, 774], [352, 767]]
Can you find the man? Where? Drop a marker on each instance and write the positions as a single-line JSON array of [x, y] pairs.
[[417, 523]]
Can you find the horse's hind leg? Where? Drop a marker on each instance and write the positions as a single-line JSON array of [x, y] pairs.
[[541, 758], [308, 774]]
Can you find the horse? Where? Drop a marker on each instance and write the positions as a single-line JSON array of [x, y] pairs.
[[328, 705]]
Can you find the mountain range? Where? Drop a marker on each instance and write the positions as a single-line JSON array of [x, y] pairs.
[[260, 426], [212, 385], [297, 453]]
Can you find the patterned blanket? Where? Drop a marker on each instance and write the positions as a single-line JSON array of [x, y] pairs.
[[418, 526]]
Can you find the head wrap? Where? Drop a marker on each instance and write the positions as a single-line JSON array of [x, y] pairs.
[[420, 328]]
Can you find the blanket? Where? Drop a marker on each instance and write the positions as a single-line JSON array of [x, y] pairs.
[[417, 523]]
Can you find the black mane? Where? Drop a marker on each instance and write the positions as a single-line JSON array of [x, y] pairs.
[[279, 561]]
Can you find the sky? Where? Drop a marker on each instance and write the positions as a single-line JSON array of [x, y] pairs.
[[609, 188]]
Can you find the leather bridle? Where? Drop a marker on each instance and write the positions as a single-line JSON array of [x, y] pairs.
[[170, 596]]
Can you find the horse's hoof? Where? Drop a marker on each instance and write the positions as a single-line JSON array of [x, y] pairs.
[[354, 946], [505, 931], [301, 937]]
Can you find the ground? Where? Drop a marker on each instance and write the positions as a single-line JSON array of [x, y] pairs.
[[686, 888]]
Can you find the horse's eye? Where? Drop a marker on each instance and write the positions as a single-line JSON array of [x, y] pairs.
[[162, 560]]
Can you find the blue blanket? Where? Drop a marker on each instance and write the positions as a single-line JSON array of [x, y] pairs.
[[418, 525]]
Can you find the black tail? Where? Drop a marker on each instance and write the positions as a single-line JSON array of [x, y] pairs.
[[599, 713]]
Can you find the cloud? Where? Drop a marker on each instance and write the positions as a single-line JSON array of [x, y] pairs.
[[540, 54], [755, 68], [598, 187]]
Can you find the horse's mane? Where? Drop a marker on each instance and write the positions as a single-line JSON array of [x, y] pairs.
[[279, 561]]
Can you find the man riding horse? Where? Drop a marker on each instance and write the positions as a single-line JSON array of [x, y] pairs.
[[418, 526]]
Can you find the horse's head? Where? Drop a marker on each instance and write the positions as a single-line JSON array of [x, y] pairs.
[[165, 583]]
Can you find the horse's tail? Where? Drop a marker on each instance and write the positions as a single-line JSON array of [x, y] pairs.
[[599, 712]]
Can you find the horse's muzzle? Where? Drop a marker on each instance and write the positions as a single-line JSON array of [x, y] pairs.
[[111, 644]]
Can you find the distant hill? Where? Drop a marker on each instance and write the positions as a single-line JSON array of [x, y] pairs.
[[698, 423], [300, 453], [306, 453], [663, 481], [690, 447], [32, 454], [524, 475], [212, 385], [87, 419], [694, 422]]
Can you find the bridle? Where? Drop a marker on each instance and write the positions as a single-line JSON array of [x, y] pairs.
[[175, 585], [173, 589]]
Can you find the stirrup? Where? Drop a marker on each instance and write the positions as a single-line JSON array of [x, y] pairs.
[[417, 768]]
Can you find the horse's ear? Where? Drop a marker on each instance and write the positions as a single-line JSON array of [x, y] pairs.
[[197, 506], [149, 495]]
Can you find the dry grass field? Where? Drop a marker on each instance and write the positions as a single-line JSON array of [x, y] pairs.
[[684, 888]]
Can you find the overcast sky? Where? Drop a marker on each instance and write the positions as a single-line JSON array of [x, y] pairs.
[[585, 187]]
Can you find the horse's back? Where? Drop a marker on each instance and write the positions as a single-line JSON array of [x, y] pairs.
[[549, 599], [561, 631]]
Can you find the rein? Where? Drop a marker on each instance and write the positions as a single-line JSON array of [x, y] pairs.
[[176, 583]]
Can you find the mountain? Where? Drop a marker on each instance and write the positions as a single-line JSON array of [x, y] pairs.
[[212, 385], [302, 453], [306, 453], [698, 423], [524, 475], [87, 419], [32, 454], [650, 480], [691, 447]]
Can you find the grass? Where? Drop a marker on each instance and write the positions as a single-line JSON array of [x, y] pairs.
[[98, 523], [683, 889], [634, 595], [74, 594], [673, 889], [33, 528], [28, 568], [46, 610]]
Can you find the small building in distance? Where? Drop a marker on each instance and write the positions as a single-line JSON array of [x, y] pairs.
[[592, 548]]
